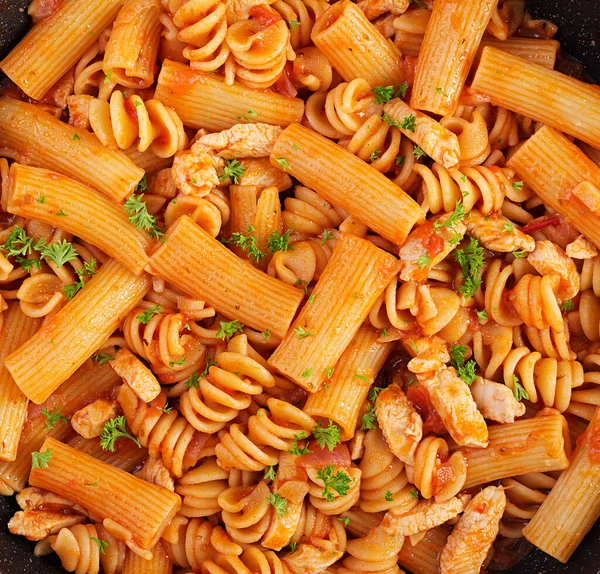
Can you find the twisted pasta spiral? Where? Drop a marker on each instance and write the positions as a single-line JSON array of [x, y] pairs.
[[536, 302], [343, 110], [226, 390], [89, 75], [309, 214], [266, 432], [303, 264], [253, 560], [376, 553], [202, 27], [79, 553], [199, 541], [200, 488], [586, 320], [339, 504], [410, 30], [167, 434], [552, 378], [436, 473], [306, 12], [483, 186], [524, 495], [472, 138], [166, 342], [548, 342], [311, 70], [590, 275], [123, 121], [506, 18], [260, 48], [383, 482], [246, 512]]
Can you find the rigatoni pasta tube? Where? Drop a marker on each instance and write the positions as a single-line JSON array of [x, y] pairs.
[[40, 194], [30, 135], [573, 505], [350, 382], [449, 46], [554, 181], [16, 330], [204, 101], [197, 263], [133, 44], [348, 182], [424, 558], [160, 563], [90, 382], [131, 508], [547, 96], [434, 139], [76, 331], [34, 66], [534, 50], [355, 47], [539, 444], [355, 276]]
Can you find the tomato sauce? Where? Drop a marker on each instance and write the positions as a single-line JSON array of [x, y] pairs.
[[443, 475], [264, 15], [591, 439], [284, 84], [319, 457], [432, 423]]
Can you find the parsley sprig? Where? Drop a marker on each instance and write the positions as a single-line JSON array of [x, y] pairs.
[[147, 315], [465, 369], [114, 429], [53, 417], [296, 449], [41, 459], [228, 329], [247, 243], [333, 481], [88, 269], [137, 211], [234, 170], [279, 503], [472, 263], [327, 437], [277, 242]]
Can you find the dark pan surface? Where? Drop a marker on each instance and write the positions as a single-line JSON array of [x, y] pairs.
[[579, 25]]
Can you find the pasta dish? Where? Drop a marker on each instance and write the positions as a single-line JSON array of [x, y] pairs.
[[298, 287]]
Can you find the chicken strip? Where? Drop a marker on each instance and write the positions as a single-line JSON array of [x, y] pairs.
[[139, 377], [313, 558], [428, 244], [549, 259], [452, 399], [498, 233], [496, 401], [196, 171], [400, 423], [426, 515], [89, 421], [260, 172], [581, 248], [472, 537], [243, 140], [38, 524], [375, 8]]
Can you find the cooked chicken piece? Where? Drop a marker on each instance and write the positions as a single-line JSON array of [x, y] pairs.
[[240, 9], [79, 110], [399, 422], [424, 516], [428, 244], [260, 172], [496, 401], [38, 524], [90, 420], [357, 445], [375, 8], [195, 171], [474, 534], [139, 377], [156, 472], [32, 498], [243, 140], [549, 259], [582, 248], [161, 183], [313, 558], [452, 400], [430, 354], [498, 233], [385, 25]]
